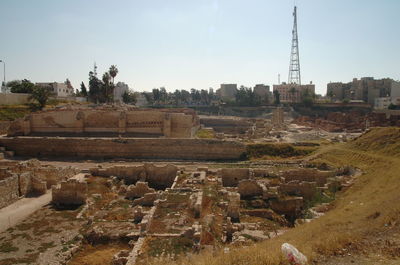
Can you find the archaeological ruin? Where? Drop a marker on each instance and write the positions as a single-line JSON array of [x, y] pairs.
[[130, 185]]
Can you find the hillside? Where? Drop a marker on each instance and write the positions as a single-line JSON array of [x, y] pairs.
[[363, 225], [385, 141]]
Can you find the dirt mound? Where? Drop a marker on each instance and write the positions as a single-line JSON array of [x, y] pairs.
[[381, 140]]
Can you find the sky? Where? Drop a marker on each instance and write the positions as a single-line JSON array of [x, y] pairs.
[[183, 44]]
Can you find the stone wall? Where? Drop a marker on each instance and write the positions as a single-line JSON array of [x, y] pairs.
[[227, 124], [160, 177], [232, 176], [68, 193], [308, 175], [108, 122], [13, 98], [19, 179], [305, 189], [159, 148], [8, 190], [351, 121]]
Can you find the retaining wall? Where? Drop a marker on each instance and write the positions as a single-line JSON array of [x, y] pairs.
[[135, 148], [13, 98]]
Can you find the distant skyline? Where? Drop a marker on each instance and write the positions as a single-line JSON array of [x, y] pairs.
[[198, 44]]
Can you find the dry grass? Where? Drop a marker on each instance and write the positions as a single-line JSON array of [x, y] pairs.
[[369, 206], [205, 134], [97, 255]]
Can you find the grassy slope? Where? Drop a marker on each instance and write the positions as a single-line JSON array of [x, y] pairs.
[[361, 211]]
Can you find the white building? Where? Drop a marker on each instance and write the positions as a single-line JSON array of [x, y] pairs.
[[384, 102], [59, 89]]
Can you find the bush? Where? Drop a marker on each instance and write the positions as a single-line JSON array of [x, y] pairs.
[[278, 150], [41, 95]]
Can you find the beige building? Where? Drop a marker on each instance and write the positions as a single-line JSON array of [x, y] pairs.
[[293, 92], [383, 103], [227, 92], [366, 89], [263, 92], [338, 91], [59, 89]]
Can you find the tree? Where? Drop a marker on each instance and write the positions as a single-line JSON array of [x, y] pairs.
[[129, 97], [41, 95], [177, 97], [113, 71], [245, 96], [21, 86], [94, 88], [149, 97], [392, 106], [101, 91], [307, 98], [277, 97], [163, 95], [107, 88], [292, 91], [330, 95], [156, 95], [83, 91]]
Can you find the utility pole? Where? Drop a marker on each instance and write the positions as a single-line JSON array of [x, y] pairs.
[[4, 72], [294, 66]]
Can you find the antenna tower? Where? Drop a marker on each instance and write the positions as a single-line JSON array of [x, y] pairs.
[[294, 67]]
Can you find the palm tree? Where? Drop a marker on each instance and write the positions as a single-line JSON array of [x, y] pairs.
[[106, 81], [113, 72]]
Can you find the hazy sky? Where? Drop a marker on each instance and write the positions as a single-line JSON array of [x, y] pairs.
[[198, 43]]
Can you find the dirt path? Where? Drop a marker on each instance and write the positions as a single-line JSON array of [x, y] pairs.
[[21, 209]]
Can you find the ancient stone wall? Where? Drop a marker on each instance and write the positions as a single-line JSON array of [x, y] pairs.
[[160, 177], [305, 189], [227, 125], [71, 192], [19, 179], [8, 190], [308, 175], [232, 176], [352, 121], [159, 148], [107, 122], [249, 188], [138, 190]]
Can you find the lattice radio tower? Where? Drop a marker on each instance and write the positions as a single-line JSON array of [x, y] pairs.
[[294, 67]]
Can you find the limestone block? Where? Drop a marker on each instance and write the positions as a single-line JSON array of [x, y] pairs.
[[232, 176], [120, 258], [147, 200], [138, 190], [249, 188], [8, 190], [233, 205], [69, 193], [290, 206], [195, 203], [305, 189]]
